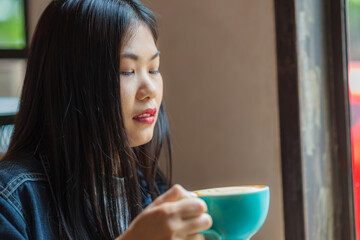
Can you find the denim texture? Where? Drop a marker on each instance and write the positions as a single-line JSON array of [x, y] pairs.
[[27, 210]]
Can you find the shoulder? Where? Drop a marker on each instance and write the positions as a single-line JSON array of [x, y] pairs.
[[15, 172], [20, 180], [24, 196]]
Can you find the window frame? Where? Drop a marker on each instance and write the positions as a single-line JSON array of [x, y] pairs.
[[297, 167]]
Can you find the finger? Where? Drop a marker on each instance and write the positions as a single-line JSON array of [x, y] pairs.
[[191, 207], [175, 193], [195, 237], [195, 225]]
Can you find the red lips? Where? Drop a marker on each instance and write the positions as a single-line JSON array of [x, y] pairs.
[[146, 116]]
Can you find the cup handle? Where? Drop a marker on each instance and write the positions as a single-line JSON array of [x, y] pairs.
[[212, 234]]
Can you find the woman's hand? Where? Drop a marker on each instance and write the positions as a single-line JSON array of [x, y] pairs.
[[175, 215]]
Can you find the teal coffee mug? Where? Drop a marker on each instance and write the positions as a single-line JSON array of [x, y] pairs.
[[237, 212]]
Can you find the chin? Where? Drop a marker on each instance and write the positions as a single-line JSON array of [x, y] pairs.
[[141, 141]]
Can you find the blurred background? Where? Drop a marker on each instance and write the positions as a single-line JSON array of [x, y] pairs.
[[219, 68], [354, 94]]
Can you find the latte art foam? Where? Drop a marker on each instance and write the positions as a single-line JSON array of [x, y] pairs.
[[228, 190]]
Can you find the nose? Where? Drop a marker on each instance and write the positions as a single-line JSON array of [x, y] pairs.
[[147, 88]]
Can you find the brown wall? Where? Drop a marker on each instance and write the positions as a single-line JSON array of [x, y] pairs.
[[36, 7], [219, 68], [218, 62]]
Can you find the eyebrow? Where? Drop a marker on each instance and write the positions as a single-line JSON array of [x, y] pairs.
[[136, 57]]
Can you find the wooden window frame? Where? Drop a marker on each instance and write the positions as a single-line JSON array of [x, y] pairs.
[[306, 177]]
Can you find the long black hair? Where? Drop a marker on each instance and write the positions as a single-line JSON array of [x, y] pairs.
[[70, 115]]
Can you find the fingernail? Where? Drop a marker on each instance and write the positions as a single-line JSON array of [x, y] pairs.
[[205, 206]]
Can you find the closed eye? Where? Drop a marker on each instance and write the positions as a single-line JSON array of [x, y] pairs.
[[127, 73], [154, 72]]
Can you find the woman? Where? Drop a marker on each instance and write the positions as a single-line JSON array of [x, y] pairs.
[[83, 159]]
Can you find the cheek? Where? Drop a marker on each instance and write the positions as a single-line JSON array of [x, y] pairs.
[[126, 97], [160, 91]]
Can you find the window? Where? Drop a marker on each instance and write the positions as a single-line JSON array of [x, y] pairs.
[[314, 119], [13, 30], [354, 95]]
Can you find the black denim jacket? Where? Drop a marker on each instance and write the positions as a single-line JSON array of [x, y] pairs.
[[27, 210]]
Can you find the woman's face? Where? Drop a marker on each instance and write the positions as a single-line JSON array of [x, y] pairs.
[[141, 85]]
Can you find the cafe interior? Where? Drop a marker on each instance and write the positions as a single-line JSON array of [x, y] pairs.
[[256, 92]]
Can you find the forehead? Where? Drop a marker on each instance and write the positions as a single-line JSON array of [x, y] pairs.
[[140, 40]]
